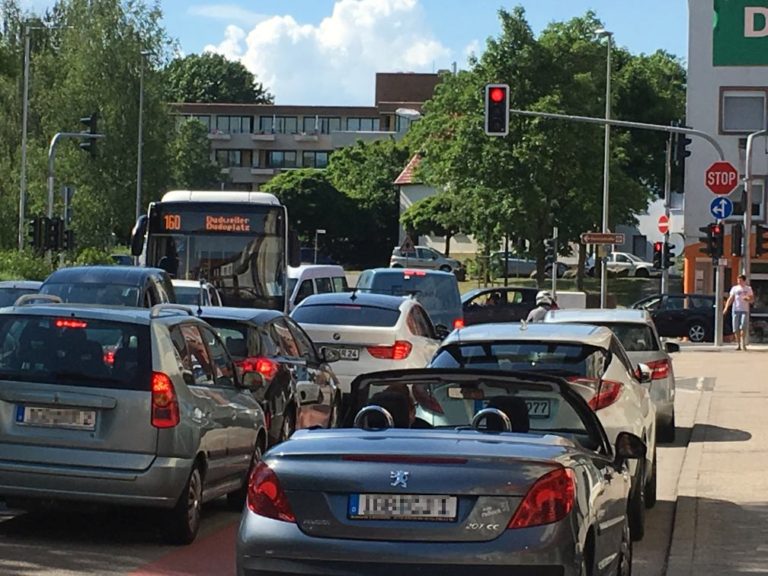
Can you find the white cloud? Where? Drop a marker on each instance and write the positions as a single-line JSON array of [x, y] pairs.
[[473, 49], [335, 62], [228, 12]]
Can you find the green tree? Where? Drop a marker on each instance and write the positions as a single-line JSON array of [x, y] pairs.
[[190, 156], [438, 215], [211, 77], [366, 173]]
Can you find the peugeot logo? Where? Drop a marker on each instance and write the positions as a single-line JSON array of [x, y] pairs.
[[399, 478], [336, 336]]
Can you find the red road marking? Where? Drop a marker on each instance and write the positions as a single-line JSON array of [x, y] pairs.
[[213, 555]]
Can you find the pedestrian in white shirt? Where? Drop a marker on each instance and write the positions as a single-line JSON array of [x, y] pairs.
[[741, 296]]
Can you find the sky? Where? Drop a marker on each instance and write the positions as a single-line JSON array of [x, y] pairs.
[[327, 52]]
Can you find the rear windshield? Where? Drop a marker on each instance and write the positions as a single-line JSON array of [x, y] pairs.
[[74, 352], [561, 359], [346, 315], [9, 295], [189, 296], [634, 337], [238, 339], [436, 292], [92, 293]]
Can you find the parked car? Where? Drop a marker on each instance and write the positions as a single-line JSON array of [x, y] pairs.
[[689, 316], [426, 257], [290, 378], [593, 360], [637, 333], [437, 291], [471, 495], [562, 270], [626, 264], [513, 265], [10, 290], [309, 279], [165, 422], [196, 293], [498, 304], [111, 285], [368, 331]]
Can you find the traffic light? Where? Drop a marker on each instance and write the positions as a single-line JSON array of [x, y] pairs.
[[54, 231], [89, 144], [737, 238], [497, 109], [36, 233], [681, 152], [681, 149], [68, 241], [713, 239], [657, 255], [550, 250], [761, 240], [668, 256]]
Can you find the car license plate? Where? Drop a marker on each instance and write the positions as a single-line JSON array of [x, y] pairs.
[[349, 353], [538, 408], [402, 507], [56, 417]]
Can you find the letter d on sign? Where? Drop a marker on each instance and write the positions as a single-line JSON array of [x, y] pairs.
[[750, 22]]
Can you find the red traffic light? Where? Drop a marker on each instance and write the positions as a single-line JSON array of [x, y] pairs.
[[657, 246], [496, 94], [716, 229]]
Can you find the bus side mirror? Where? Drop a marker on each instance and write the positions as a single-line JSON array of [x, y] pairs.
[[294, 248], [137, 235]]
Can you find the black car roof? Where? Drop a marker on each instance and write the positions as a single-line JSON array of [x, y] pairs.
[[257, 315], [475, 291], [129, 275], [357, 297]]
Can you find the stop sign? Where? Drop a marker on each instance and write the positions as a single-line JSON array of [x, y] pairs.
[[722, 178], [663, 224]]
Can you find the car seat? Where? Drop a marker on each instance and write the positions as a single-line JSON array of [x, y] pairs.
[[516, 410], [238, 347], [393, 402], [82, 355]]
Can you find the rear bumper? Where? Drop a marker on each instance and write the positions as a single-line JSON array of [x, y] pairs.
[[268, 547], [158, 486]]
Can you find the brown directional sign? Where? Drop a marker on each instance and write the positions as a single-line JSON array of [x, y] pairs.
[[602, 238]]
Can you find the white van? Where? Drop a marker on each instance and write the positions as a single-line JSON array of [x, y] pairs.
[[309, 279]]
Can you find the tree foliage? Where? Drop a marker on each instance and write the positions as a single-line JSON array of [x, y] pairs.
[[210, 77], [438, 215], [190, 156]]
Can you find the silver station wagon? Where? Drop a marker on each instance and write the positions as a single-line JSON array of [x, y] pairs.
[[124, 406]]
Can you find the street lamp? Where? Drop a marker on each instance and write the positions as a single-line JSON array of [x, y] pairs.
[[317, 233], [140, 145], [602, 33]]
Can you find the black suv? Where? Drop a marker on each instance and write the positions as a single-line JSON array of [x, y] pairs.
[[690, 316]]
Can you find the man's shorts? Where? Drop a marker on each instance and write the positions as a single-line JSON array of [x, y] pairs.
[[738, 318]]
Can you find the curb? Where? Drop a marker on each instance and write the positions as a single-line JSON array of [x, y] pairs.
[[684, 528]]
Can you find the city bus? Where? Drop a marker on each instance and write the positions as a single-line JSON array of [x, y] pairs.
[[238, 241]]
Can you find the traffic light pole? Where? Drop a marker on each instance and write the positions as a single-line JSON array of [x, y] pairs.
[[667, 192], [554, 264], [718, 339], [52, 160]]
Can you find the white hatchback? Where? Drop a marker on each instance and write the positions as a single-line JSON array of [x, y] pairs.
[[593, 360], [370, 332]]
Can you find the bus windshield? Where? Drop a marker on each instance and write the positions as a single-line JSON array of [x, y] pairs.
[[238, 247]]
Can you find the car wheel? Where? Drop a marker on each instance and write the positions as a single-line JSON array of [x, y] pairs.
[[697, 332], [666, 433], [624, 567], [184, 518], [236, 499], [642, 273], [289, 423], [650, 486], [637, 504]]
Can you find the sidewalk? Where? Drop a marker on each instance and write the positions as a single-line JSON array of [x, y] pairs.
[[721, 521]]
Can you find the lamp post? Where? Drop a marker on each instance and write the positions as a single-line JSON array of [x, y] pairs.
[[606, 163], [140, 145], [317, 233]]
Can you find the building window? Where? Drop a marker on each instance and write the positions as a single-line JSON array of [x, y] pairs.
[[363, 124], [739, 196], [279, 124], [233, 124], [320, 124], [311, 159], [743, 111], [281, 159], [402, 124], [228, 158]]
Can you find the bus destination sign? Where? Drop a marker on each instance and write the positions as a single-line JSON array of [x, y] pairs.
[[203, 222]]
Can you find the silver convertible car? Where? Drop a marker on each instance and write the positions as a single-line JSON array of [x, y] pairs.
[[443, 472]]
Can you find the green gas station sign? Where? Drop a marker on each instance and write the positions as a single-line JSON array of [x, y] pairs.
[[740, 33]]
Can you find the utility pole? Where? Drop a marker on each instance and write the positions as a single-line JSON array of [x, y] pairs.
[[667, 199], [24, 120], [554, 263]]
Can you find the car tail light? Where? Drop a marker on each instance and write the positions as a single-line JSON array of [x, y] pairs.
[[265, 495], [410, 272], [608, 391], [659, 369], [109, 357], [70, 323], [458, 323], [264, 366], [549, 500], [165, 404], [399, 351]]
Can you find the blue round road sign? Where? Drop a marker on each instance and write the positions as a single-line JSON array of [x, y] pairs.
[[721, 208]]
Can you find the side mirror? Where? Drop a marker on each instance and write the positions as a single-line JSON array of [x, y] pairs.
[[644, 374], [671, 347], [308, 393], [442, 331], [329, 354], [137, 235], [628, 446]]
